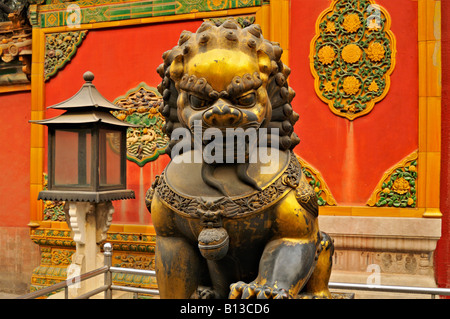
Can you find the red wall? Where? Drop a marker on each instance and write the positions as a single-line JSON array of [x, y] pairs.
[[443, 247], [121, 59], [353, 156], [15, 159]]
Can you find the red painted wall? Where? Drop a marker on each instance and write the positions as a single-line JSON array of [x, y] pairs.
[[353, 156], [121, 58], [15, 159], [18, 254], [443, 246]]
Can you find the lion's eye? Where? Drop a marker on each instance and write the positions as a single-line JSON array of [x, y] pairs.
[[247, 100], [197, 103]]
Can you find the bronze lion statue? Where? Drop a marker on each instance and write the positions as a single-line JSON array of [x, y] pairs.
[[225, 227]]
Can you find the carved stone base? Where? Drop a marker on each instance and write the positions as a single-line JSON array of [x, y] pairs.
[[383, 250]]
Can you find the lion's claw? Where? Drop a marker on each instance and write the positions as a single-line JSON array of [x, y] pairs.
[[241, 290], [203, 293]]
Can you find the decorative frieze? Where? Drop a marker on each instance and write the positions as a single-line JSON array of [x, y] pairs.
[[56, 13], [397, 187], [315, 179], [60, 49], [130, 250], [146, 142]]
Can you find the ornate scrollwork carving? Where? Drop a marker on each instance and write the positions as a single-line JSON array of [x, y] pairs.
[[231, 207], [59, 50], [147, 142]]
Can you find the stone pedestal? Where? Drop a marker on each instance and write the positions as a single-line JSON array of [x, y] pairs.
[[384, 251], [89, 223]]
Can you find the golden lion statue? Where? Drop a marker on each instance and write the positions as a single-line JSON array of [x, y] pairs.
[[225, 227]]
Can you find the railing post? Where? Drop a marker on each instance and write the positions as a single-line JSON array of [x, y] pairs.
[[108, 275]]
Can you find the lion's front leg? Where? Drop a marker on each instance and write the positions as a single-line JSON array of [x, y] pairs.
[[180, 269], [289, 258], [285, 266]]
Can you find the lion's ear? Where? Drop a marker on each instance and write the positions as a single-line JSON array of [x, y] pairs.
[[265, 66], [177, 68]]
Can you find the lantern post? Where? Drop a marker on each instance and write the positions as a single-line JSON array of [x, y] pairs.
[[87, 170]]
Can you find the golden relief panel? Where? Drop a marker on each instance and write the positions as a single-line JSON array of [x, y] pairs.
[[352, 56]]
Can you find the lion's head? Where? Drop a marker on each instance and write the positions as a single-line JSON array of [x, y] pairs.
[[227, 77]]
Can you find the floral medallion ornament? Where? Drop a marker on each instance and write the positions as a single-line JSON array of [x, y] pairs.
[[397, 188], [352, 56], [146, 142]]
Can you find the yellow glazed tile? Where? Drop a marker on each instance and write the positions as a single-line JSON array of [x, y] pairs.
[[130, 22], [433, 180], [37, 100], [335, 210], [433, 68], [211, 14], [285, 21], [150, 229], [116, 228], [421, 179], [37, 46], [188, 16], [86, 26], [152, 20], [423, 60], [60, 225], [36, 206], [36, 165], [37, 68], [433, 17], [422, 19], [263, 18], [433, 124], [135, 229], [422, 123], [275, 20], [233, 12], [60, 29], [37, 136], [432, 213], [37, 115], [101, 25], [15, 88], [285, 57], [45, 224]]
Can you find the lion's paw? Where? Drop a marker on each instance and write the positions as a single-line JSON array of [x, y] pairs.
[[203, 292], [241, 290]]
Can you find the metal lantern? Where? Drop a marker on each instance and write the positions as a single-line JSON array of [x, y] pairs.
[[86, 149]]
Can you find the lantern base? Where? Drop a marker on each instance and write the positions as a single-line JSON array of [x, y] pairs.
[[86, 196]]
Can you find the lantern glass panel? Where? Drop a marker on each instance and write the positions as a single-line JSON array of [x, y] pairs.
[[72, 158], [110, 159]]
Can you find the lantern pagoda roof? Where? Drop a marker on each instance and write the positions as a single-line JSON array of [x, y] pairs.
[[81, 117], [86, 106], [87, 97]]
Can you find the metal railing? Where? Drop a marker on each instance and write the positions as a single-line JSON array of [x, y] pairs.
[[387, 288], [108, 286]]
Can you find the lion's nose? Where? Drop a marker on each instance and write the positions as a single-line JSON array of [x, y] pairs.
[[222, 115]]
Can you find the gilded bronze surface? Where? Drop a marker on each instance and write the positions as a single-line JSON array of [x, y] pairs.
[[224, 229]]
